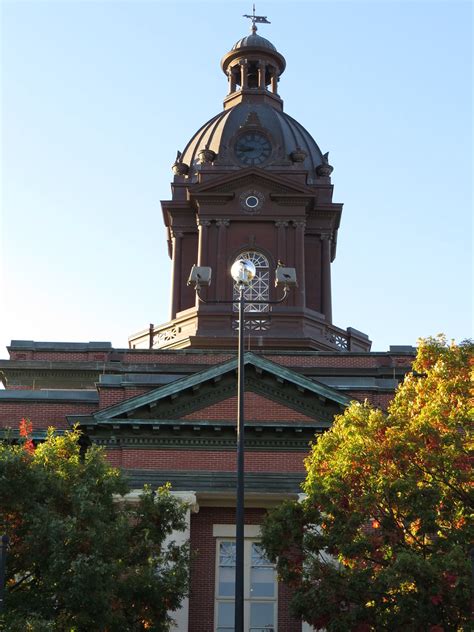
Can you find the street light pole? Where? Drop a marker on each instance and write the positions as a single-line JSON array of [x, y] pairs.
[[239, 515], [243, 272]]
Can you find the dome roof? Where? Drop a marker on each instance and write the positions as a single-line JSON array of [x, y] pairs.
[[253, 41], [285, 134]]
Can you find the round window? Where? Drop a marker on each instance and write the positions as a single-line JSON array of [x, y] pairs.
[[252, 201]]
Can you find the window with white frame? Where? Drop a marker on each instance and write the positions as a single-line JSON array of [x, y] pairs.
[[260, 588], [259, 288]]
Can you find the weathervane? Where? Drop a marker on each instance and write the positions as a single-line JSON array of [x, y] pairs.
[[261, 19]]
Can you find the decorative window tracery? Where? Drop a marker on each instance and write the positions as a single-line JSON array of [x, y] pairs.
[[259, 288]]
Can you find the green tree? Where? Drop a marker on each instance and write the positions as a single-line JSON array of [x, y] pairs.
[[81, 557], [382, 540]]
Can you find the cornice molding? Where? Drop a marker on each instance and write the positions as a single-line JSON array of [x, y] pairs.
[[281, 442]]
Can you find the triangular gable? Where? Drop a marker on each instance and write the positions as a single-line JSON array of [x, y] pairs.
[[188, 386], [264, 179], [258, 408]]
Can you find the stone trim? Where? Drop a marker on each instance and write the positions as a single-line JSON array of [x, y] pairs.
[[228, 530]]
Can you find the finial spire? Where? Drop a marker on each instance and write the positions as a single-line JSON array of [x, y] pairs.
[[261, 19]]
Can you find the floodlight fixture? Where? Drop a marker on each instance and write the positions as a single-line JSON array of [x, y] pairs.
[[285, 277], [200, 276]]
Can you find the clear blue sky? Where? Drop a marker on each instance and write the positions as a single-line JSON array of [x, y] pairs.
[[98, 96]]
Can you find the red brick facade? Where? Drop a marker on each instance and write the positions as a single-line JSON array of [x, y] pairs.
[[111, 396], [42, 414], [203, 575], [206, 460], [258, 408]]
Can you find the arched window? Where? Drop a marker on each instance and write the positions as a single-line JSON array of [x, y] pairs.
[[259, 289]]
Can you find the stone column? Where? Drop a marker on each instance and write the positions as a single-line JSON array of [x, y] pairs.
[[300, 261], [176, 282], [274, 81], [326, 303], [281, 240], [203, 229], [181, 616], [232, 82], [222, 275], [243, 73], [261, 75]]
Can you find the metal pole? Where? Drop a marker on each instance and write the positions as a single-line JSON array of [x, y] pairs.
[[239, 516], [3, 564]]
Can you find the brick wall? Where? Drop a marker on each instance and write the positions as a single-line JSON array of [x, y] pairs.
[[156, 357], [110, 396], [379, 400], [203, 546], [205, 460], [257, 408], [60, 356], [42, 414], [340, 361]]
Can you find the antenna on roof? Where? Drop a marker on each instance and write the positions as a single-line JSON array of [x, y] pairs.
[[260, 19]]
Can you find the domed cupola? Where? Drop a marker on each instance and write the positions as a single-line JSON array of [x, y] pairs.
[[253, 67], [253, 41], [252, 130]]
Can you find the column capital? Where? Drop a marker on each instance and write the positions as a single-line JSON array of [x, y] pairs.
[[281, 224], [189, 498], [325, 236], [299, 224], [222, 222], [203, 222]]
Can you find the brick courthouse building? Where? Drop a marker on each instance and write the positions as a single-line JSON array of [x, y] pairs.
[[252, 182]]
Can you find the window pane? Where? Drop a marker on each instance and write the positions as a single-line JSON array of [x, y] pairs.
[[258, 556], [262, 617], [262, 577], [225, 616], [226, 581], [227, 554], [262, 582]]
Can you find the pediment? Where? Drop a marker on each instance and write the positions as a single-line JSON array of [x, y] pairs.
[[251, 177], [202, 395]]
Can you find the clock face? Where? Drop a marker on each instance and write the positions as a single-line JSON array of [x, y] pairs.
[[253, 148]]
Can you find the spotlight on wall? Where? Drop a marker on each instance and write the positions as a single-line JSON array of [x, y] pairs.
[[285, 277]]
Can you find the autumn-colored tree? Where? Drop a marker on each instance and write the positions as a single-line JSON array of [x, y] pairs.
[[382, 540], [82, 558]]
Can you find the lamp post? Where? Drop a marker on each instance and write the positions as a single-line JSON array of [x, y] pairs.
[[243, 272], [3, 564]]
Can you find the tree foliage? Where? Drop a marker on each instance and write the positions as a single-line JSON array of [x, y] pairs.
[[81, 558], [382, 540]]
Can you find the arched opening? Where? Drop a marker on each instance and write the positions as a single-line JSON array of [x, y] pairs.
[[259, 288]]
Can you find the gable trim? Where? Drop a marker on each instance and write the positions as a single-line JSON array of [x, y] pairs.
[[152, 398]]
